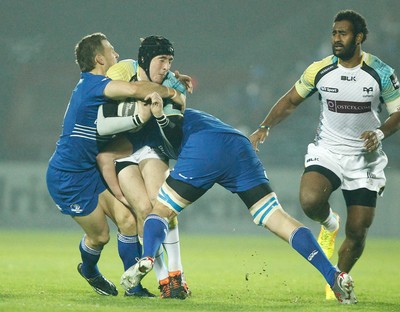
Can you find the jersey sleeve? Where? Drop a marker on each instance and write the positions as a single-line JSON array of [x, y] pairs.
[[306, 85], [390, 88], [172, 82], [390, 91], [123, 70]]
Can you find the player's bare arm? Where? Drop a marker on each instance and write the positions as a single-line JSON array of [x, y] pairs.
[[120, 90], [118, 148], [283, 108]]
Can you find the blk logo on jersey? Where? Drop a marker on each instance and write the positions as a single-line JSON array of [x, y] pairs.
[[348, 78], [347, 107]]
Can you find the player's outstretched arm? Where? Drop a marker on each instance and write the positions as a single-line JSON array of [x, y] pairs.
[[120, 90], [283, 108]]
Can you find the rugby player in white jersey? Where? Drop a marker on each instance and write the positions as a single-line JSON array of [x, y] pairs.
[[347, 152], [141, 174]]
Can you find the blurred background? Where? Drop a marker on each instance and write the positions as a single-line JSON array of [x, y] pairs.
[[242, 55]]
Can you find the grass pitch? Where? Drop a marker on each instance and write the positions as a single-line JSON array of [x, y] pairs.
[[225, 273]]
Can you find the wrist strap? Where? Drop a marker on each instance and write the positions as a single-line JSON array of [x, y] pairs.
[[163, 121], [379, 134], [264, 127], [137, 121], [175, 94]]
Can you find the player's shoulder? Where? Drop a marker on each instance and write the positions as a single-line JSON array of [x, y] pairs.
[[319, 65], [314, 72], [123, 70], [376, 63]]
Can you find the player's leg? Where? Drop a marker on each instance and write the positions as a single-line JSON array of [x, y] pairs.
[[321, 177], [360, 215], [85, 190], [264, 206], [171, 201], [129, 248], [133, 187], [96, 236], [154, 172], [363, 180], [317, 184], [136, 175]]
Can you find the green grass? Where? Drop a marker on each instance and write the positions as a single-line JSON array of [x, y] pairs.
[[38, 273]]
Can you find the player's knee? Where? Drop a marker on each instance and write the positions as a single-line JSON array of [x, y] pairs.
[[357, 234], [98, 241], [143, 210], [311, 203], [168, 205], [127, 224], [263, 209]]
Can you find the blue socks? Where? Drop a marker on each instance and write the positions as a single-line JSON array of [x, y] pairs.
[[129, 249], [155, 231], [90, 257], [305, 244]]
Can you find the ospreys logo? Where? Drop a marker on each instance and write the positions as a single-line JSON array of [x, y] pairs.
[[368, 90]]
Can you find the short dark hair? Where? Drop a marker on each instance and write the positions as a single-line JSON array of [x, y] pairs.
[[86, 50], [356, 19]]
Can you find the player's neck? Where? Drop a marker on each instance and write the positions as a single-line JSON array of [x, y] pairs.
[[99, 70], [354, 61]]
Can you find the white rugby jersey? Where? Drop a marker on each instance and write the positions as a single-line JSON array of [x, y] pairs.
[[350, 99]]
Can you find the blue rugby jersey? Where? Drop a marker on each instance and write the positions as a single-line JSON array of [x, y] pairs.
[[79, 143]]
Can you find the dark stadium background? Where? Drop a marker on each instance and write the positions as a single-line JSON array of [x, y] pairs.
[[242, 55]]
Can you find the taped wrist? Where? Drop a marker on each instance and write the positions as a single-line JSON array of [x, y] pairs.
[[162, 121], [137, 121], [379, 134]]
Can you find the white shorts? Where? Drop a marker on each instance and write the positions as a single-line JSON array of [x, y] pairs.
[[354, 171], [143, 153]]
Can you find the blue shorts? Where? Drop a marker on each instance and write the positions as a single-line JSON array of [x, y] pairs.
[[223, 158], [75, 193]]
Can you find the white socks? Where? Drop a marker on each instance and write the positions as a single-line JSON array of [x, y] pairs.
[[331, 223]]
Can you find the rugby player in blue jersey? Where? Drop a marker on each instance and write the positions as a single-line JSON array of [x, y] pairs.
[[213, 152], [73, 180], [353, 86]]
